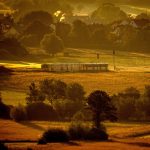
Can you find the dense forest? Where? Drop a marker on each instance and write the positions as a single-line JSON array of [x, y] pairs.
[[54, 25]]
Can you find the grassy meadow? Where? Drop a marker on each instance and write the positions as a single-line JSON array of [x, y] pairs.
[[133, 69], [123, 136]]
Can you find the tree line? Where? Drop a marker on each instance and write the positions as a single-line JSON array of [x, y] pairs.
[[40, 28], [56, 100]]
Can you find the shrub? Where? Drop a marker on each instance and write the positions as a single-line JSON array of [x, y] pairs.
[[4, 110], [55, 135], [97, 134], [77, 131], [81, 132], [3, 146], [13, 46], [79, 116], [41, 141], [5, 71], [18, 113], [67, 108], [41, 111]]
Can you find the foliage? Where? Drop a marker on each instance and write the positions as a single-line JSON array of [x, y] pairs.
[[79, 131], [42, 141], [147, 91], [75, 92], [97, 134], [63, 30], [52, 44], [102, 107], [5, 71], [30, 40], [3, 146], [34, 95], [126, 103], [66, 108], [40, 16], [18, 113], [53, 89], [13, 46], [41, 111], [6, 22], [80, 35], [4, 110], [130, 92], [108, 13], [78, 117], [55, 135]]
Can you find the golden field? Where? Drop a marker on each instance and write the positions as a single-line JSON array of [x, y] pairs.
[[112, 82], [122, 136]]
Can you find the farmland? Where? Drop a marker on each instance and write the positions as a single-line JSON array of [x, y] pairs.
[[122, 135], [132, 70]]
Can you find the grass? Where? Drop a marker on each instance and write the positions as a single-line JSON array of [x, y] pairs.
[[124, 60], [32, 130], [133, 69], [13, 97], [121, 135], [15, 88]]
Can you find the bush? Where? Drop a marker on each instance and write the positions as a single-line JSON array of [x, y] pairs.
[[14, 47], [4, 110], [78, 116], [3, 146], [18, 113], [81, 132], [67, 108], [41, 111], [97, 134], [41, 141], [5, 71], [77, 131], [55, 135]]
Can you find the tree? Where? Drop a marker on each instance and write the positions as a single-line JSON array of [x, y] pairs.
[[53, 89], [80, 33], [107, 13], [75, 92], [101, 105], [130, 92], [52, 44], [34, 95], [4, 110], [34, 32], [147, 91], [41, 16], [6, 22], [63, 30]]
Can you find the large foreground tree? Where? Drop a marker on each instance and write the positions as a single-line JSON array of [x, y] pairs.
[[102, 107]]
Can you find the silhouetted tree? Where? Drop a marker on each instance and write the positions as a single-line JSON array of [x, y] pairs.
[[34, 95], [53, 89], [102, 107], [52, 44]]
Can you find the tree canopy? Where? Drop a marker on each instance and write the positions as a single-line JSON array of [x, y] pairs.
[[52, 44], [102, 107]]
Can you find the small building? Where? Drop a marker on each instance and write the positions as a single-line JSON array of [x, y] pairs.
[[74, 67]]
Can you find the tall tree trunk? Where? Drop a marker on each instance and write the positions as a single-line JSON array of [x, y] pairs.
[[96, 119]]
